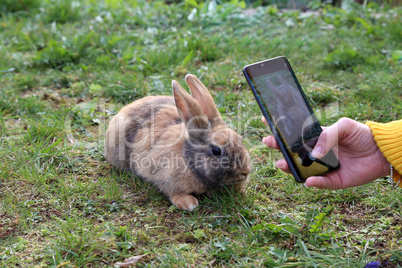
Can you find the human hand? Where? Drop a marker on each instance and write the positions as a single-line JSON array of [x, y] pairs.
[[360, 159]]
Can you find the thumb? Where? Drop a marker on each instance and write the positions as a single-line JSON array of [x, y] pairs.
[[331, 136]]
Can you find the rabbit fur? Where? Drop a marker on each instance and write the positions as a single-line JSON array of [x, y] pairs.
[[180, 144]]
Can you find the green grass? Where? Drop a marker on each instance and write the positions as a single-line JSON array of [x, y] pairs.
[[68, 66]]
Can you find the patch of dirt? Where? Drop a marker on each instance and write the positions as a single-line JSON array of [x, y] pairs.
[[8, 224]]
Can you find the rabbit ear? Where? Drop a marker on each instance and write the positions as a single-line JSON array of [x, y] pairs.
[[189, 109], [202, 95]]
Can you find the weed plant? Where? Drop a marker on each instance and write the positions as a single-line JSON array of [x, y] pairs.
[[68, 66]]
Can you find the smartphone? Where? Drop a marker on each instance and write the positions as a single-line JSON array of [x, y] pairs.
[[289, 116]]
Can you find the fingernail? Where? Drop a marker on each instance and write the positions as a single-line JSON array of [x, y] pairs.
[[305, 185], [317, 151], [280, 164]]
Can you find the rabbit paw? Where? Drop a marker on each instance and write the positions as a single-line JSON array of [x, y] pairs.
[[185, 201]]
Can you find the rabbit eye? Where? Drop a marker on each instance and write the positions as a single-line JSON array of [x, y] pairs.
[[215, 150]]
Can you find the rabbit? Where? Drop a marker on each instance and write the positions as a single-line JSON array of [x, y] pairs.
[[180, 144]]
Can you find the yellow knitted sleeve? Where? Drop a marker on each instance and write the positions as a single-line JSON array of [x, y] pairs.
[[388, 137]]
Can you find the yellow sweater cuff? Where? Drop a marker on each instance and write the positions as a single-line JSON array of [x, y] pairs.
[[388, 137]]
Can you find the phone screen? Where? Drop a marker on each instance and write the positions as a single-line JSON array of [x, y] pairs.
[[290, 116]]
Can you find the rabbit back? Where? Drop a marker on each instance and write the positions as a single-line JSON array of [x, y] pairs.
[[131, 129]]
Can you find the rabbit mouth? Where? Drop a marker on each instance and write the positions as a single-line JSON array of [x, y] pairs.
[[238, 180]]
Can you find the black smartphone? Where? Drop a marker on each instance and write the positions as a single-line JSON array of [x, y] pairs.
[[289, 115]]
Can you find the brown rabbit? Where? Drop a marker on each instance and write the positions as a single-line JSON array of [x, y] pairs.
[[180, 144]]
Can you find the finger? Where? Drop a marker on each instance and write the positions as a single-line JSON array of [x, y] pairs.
[[270, 142], [283, 165], [331, 136], [264, 120], [321, 182]]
